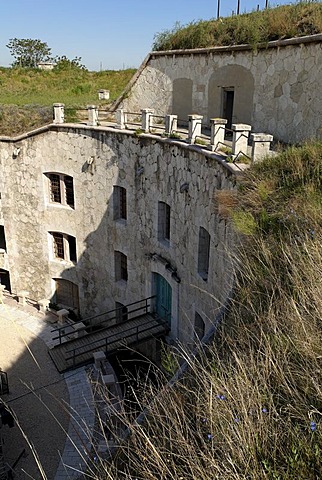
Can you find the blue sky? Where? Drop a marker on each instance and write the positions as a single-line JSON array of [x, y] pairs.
[[108, 34]]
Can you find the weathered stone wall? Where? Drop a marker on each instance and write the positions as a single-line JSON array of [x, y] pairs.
[[276, 89], [151, 170]]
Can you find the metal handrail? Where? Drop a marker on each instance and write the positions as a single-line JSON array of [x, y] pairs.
[[62, 333], [106, 341]]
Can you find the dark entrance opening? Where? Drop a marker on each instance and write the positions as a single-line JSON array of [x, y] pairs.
[[3, 245], [228, 105], [5, 279]]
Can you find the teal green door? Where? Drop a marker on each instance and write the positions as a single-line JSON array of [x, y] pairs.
[[163, 292]]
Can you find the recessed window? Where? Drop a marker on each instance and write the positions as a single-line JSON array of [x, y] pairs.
[[203, 253], [121, 312], [120, 266], [199, 326], [119, 203], [61, 189], [63, 246], [164, 221]]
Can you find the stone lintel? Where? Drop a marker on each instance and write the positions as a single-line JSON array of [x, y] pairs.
[[261, 137], [218, 121], [241, 127]]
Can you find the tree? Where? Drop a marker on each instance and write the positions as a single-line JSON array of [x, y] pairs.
[[64, 63], [28, 52]]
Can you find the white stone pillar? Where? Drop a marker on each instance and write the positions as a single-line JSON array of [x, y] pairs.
[[98, 358], [62, 314], [92, 115], [217, 135], [43, 305], [22, 297], [260, 145], [59, 115], [146, 119], [79, 328], [120, 118], [171, 124], [194, 127], [240, 138]]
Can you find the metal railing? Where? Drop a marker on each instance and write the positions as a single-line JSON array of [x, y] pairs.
[[107, 341], [99, 322]]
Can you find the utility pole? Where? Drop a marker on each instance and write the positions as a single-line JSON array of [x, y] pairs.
[[218, 9], [266, 4], [238, 7]]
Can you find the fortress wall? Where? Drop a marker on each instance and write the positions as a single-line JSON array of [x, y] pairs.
[[276, 89], [151, 170]]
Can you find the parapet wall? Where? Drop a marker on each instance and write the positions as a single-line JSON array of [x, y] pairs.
[[276, 89]]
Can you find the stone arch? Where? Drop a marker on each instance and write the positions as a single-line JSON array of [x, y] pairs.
[[182, 98], [237, 80]]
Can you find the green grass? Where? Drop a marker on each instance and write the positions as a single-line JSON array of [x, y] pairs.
[[75, 88], [27, 95], [302, 18]]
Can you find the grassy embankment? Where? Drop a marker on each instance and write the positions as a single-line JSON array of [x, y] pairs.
[[303, 18], [251, 405], [27, 95]]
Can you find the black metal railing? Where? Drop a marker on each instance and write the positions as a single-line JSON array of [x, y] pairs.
[[107, 342], [103, 320]]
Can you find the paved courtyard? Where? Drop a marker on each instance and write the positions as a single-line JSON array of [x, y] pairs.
[[54, 412]]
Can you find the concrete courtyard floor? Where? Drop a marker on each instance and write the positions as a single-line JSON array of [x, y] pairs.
[[40, 398]]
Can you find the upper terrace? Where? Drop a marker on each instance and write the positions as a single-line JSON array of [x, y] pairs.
[[236, 148]]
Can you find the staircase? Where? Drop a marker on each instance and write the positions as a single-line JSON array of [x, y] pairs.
[[140, 327]]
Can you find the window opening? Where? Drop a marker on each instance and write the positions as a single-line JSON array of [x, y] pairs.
[[120, 266], [120, 207], [164, 212], [121, 313], [199, 326], [203, 253], [61, 189], [3, 245], [64, 246]]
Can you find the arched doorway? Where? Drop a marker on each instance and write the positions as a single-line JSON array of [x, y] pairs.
[[163, 302]]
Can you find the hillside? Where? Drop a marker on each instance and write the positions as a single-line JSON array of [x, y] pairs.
[[302, 18], [27, 95]]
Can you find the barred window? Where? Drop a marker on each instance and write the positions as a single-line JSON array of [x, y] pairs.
[[119, 201], [64, 246], [61, 189]]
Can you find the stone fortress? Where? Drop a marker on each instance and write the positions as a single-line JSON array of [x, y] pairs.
[[95, 217]]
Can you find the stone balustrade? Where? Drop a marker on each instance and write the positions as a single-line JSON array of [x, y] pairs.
[[260, 142]]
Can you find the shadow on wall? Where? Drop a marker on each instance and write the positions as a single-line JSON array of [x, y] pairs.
[[230, 94]]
